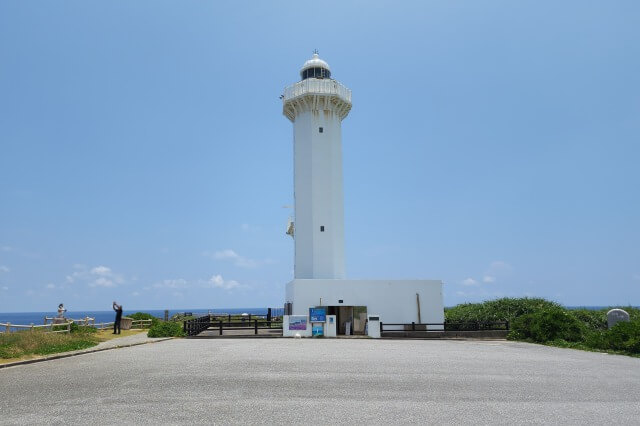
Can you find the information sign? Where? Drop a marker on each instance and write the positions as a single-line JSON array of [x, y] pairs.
[[317, 314], [317, 330], [297, 322]]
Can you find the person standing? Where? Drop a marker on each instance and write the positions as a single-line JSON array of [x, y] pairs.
[[61, 310], [116, 323]]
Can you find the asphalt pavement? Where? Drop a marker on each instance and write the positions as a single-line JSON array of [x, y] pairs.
[[321, 381]]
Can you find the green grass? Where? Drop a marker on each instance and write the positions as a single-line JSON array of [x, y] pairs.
[[22, 343]]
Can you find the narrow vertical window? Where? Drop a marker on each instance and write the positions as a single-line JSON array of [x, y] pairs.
[[320, 129], [322, 228]]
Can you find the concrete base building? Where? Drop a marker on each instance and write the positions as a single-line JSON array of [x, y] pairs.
[[316, 106]]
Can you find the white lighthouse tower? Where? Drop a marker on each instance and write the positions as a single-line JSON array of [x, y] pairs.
[[317, 105]]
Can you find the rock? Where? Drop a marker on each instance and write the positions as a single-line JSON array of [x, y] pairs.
[[616, 315]]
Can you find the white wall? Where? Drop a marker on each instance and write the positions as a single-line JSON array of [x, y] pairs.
[[393, 300], [318, 194]]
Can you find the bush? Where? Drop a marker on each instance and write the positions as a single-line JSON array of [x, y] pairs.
[[505, 309], [75, 328], [144, 316], [547, 325], [593, 320], [624, 336], [166, 329]]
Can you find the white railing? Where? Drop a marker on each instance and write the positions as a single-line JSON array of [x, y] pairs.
[[319, 86], [81, 321], [67, 325], [8, 326]]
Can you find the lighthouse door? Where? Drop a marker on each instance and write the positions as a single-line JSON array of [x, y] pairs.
[[350, 320]]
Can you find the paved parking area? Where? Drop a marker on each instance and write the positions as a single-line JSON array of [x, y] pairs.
[[295, 381]]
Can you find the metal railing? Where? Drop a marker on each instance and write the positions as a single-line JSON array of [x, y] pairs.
[[319, 86], [246, 325], [446, 326], [196, 326]]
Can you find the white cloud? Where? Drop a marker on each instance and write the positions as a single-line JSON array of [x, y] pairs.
[[5, 287], [173, 283], [135, 293], [239, 261], [4, 268], [216, 281], [469, 282], [102, 282], [103, 271], [225, 254], [50, 286], [98, 276], [499, 267], [488, 279]]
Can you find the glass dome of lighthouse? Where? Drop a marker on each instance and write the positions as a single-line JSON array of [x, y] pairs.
[[315, 68]]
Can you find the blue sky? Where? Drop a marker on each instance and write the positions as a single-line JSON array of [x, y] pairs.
[[144, 156]]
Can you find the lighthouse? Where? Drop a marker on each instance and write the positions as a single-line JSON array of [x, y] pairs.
[[316, 105], [320, 299]]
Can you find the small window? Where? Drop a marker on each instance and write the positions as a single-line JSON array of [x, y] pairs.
[[322, 228], [320, 129]]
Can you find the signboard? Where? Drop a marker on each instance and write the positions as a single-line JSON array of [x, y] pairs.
[[317, 314], [297, 322], [317, 330]]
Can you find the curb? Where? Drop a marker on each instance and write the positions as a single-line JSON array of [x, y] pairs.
[[75, 353]]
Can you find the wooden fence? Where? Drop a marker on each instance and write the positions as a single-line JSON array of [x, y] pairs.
[[46, 327], [49, 327]]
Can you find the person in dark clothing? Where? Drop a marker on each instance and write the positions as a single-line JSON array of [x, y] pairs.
[[116, 323]]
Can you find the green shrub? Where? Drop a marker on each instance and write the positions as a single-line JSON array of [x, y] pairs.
[[144, 316], [505, 309], [62, 327], [75, 328], [166, 329], [547, 325], [624, 336], [593, 320]]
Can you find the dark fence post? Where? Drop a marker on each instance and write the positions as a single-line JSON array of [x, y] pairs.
[[413, 326], [269, 315], [256, 326], [381, 329]]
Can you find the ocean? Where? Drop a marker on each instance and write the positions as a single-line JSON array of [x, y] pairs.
[[37, 318]]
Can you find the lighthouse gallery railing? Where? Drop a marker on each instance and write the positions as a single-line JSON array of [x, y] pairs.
[[320, 86]]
